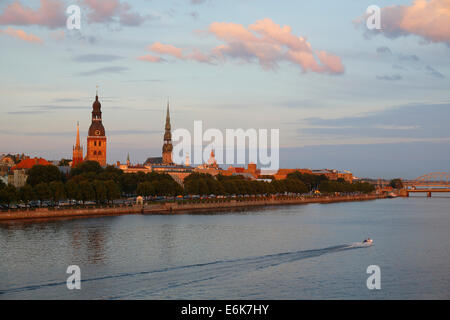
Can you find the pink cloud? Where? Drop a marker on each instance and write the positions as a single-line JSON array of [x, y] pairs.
[[50, 14], [277, 34], [151, 58], [199, 56], [112, 11], [22, 35], [427, 19], [231, 32], [264, 42], [102, 10], [168, 49], [269, 44]]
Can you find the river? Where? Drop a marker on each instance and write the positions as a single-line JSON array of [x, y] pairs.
[[286, 252]]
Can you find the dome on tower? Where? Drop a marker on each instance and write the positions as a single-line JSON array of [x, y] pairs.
[[96, 106], [97, 129]]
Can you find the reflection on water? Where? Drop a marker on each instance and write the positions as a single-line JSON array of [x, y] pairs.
[[289, 252], [96, 246], [86, 244]]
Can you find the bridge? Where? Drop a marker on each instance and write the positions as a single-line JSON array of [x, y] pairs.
[[428, 183]]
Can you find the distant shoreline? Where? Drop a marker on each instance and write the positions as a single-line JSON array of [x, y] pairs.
[[175, 207]]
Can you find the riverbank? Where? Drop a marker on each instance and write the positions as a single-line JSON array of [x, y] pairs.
[[176, 207]]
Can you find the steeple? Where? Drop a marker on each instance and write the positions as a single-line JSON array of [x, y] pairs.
[[168, 133], [78, 136], [167, 146], [128, 159], [168, 117], [77, 152]]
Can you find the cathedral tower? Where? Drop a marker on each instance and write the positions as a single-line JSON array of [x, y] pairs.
[[167, 147], [96, 140], [77, 153]]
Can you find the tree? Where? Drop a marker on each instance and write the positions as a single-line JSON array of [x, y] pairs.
[[396, 183], [86, 167], [57, 191], [64, 162], [203, 187], [191, 186], [42, 191], [87, 191], [110, 173], [100, 191], [112, 190], [129, 183], [27, 194], [72, 190], [8, 195], [145, 189], [46, 174], [312, 181]]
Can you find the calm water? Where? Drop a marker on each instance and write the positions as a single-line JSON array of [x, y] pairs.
[[289, 252]]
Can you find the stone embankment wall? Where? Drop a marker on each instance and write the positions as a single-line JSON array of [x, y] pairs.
[[176, 207]]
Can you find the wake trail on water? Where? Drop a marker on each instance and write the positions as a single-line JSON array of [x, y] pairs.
[[148, 283]]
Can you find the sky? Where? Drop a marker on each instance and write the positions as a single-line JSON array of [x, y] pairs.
[[375, 102]]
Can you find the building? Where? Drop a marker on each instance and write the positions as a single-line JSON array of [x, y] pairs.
[[153, 160], [129, 168], [96, 140], [331, 174], [6, 160], [210, 167], [283, 173], [346, 175], [167, 146], [18, 174], [30, 162], [162, 164], [77, 151], [18, 178], [252, 172]]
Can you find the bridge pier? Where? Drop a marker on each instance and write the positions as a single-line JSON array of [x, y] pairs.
[[429, 194]]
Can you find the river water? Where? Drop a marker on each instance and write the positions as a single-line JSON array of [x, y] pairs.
[[286, 252]]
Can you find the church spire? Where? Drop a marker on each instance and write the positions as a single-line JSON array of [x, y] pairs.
[[167, 146], [78, 136], [168, 117], [77, 155]]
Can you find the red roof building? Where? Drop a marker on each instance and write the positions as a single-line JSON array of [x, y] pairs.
[[29, 163]]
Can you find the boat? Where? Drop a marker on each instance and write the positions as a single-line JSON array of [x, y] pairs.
[[368, 240]]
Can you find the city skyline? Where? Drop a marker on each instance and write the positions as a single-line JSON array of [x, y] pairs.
[[376, 105]]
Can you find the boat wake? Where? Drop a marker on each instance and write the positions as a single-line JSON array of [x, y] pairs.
[[150, 284]]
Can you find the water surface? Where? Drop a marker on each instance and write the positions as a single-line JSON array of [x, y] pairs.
[[287, 252]]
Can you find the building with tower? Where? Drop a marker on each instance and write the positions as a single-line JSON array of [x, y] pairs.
[[96, 140], [162, 164], [77, 153]]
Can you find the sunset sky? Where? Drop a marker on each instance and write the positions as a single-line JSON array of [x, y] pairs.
[[376, 103]]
